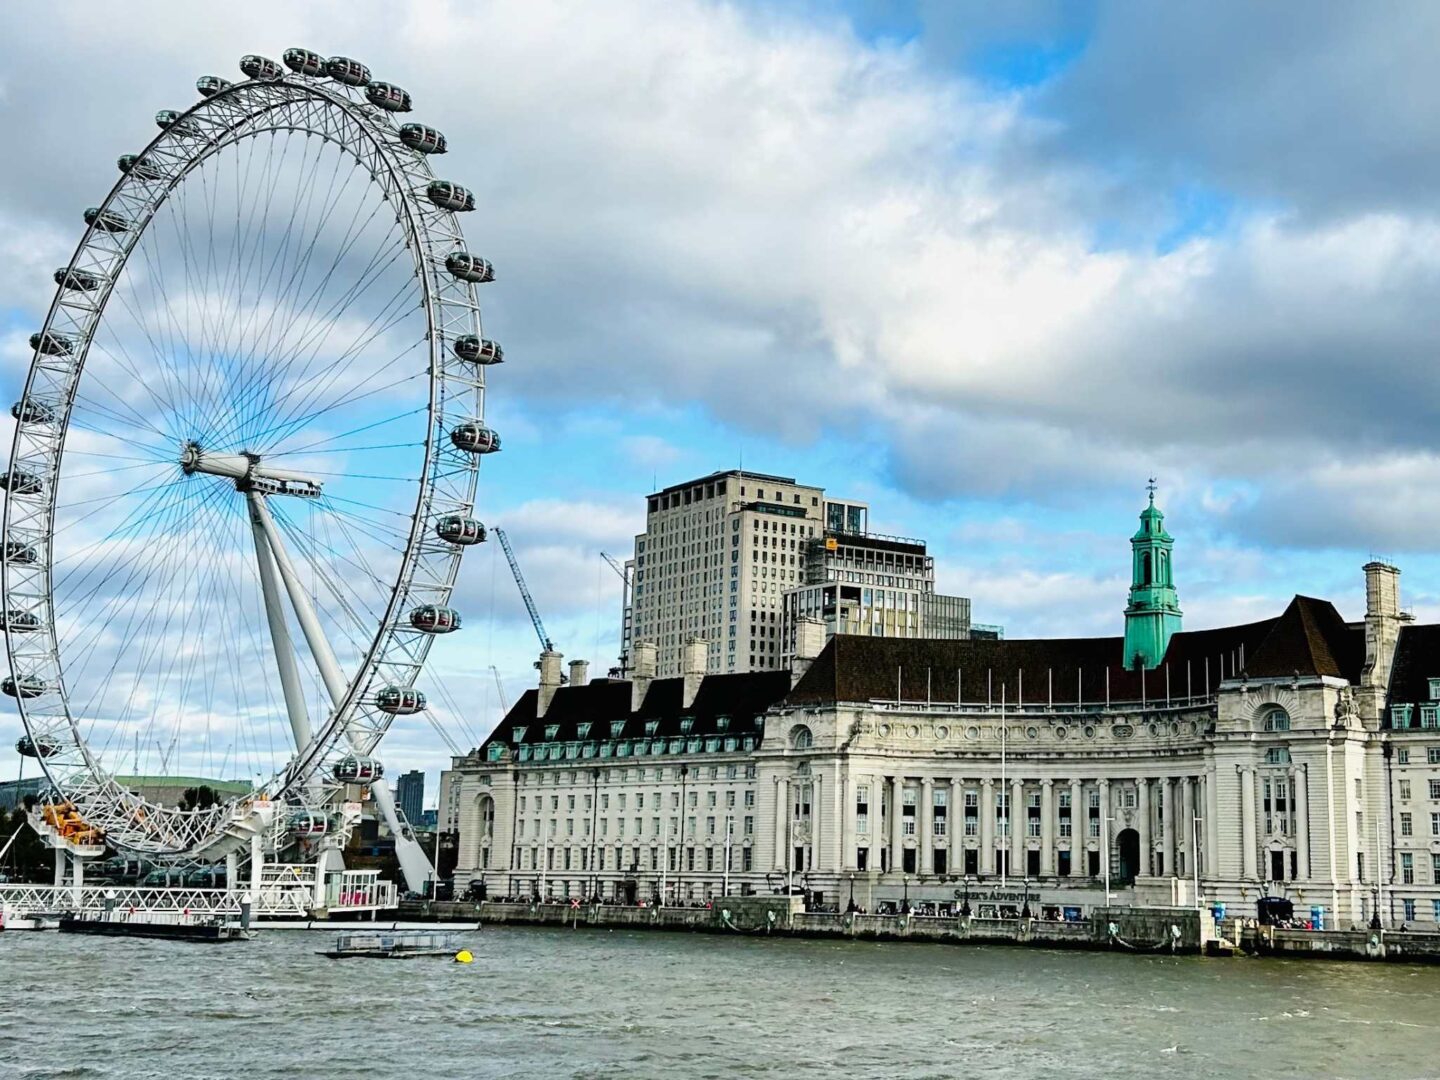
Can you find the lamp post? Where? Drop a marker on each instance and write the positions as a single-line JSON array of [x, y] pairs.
[[729, 826], [1105, 855], [905, 903], [965, 904], [851, 906], [1375, 906], [1025, 902], [1196, 821]]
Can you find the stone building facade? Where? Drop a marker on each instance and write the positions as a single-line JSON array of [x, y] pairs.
[[1297, 756]]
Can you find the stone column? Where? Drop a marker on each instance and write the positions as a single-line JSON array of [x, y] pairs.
[[782, 817], [817, 849], [897, 833], [955, 823], [1017, 828], [924, 822], [1186, 823], [1079, 822], [1168, 823], [987, 826], [1247, 823], [849, 789], [1107, 843], [1301, 799], [1142, 804], [1047, 827], [1210, 860]]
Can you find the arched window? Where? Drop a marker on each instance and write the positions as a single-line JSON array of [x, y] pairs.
[[800, 738], [487, 816], [1145, 570], [1276, 719]]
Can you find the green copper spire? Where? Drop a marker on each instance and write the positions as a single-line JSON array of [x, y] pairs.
[[1153, 613]]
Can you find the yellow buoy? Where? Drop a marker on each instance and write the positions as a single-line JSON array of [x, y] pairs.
[[464, 956]]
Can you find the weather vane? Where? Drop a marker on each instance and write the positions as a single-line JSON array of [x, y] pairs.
[[1150, 487]]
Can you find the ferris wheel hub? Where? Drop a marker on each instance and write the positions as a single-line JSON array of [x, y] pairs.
[[249, 472]]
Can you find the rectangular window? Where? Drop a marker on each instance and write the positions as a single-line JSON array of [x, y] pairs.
[[1404, 790], [746, 859], [1407, 827], [1409, 910], [1435, 831], [1432, 755], [1435, 789], [1402, 757]]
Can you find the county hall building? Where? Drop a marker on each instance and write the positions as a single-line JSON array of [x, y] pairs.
[[1297, 757]]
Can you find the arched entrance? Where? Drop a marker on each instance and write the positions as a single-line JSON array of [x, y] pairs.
[[1127, 845]]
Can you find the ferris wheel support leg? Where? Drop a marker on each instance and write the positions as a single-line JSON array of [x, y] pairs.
[[320, 649], [414, 863], [59, 867], [257, 863], [290, 685]]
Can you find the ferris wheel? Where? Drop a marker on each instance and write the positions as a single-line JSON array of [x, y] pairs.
[[244, 462]]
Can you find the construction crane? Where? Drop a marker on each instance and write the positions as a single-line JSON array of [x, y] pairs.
[[500, 689], [545, 642], [625, 604]]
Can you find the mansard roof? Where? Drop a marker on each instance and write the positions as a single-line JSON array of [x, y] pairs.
[[724, 704], [1417, 661], [1310, 638], [1063, 670]]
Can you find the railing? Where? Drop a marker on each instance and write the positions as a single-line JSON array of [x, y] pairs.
[[353, 890]]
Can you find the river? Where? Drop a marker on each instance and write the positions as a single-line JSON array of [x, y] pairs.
[[556, 1003]]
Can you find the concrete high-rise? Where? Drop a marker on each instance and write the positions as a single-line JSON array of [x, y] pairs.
[[410, 795], [715, 561]]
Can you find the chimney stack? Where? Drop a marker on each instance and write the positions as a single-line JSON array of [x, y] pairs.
[[550, 679], [694, 660], [1382, 632], [579, 672], [643, 674], [809, 642]]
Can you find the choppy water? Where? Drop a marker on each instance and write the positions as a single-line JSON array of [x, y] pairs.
[[542, 1003]]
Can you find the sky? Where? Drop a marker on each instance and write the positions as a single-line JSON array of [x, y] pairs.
[[988, 267]]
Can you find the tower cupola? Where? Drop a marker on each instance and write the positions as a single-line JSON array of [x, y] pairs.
[[1153, 613]]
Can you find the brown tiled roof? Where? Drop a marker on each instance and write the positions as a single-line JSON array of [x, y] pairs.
[[1310, 638], [740, 698], [1417, 661]]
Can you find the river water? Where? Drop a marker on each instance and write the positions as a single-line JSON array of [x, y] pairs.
[[594, 1003]]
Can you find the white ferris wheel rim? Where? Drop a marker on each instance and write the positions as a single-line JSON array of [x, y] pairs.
[[446, 485]]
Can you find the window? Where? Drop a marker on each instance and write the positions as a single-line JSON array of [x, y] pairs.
[[1407, 825], [749, 825], [1435, 789], [1277, 755], [1400, 716], [1434, 689], [1428, 716], [1435, 831], [1409, 910], [1404, 790], [1432, 755], [1402, 757], [1276, 720]]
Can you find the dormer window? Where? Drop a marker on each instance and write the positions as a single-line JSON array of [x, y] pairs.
[[616, 727], [1434, 689], [1430, 716], [551, 730], [722, 723], [686, 723], [582, 731], [652, 726], [1400, 716], [517, 734]]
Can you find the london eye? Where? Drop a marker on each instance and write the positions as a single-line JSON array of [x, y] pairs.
[[244, 465]]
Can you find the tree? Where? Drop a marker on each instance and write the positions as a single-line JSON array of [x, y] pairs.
[[199, 798]]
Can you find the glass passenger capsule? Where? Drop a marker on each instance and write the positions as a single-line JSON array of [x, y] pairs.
[[478, 350], [388, 96], [72, 277], [467, 267], [354, 769], [400, 701], [435, 620], [20, 622], [171, 120], [450, 196], [424, 139], [31, 411], [210, 85], [304, 62], [42, 746], [344, 70], [260, 67], [475, 438], [458, 529], [19, 553], [27, 686], [135, 165], [51, 344], [106, 220], [308, 823], [20, 482]]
